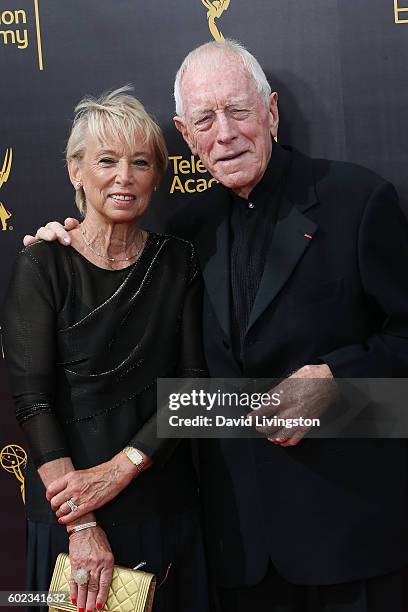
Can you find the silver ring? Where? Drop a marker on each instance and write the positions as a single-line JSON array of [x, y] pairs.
[[72, 505], [81, 576]]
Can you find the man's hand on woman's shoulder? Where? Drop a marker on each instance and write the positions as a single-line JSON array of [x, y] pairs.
[[53, 231]]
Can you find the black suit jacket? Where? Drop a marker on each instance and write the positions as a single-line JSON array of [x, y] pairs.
[[334, 290]]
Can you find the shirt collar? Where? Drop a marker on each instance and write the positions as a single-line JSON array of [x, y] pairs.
[[276, 168]]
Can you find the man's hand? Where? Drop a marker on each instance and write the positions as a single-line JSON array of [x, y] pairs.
[[53, 231], [307, 393]]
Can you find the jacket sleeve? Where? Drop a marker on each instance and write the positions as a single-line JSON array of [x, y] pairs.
[[382, 258], [29, 338]]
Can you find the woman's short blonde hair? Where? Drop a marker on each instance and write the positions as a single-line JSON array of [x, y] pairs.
[[115, 115]]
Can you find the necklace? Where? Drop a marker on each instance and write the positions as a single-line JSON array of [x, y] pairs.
[[105, 257]]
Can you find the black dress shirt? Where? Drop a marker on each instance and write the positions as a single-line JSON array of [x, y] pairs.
[[252, 222]]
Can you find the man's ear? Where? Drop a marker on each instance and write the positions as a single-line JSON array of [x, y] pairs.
[[273, 114], [74, 172], [182, 128]]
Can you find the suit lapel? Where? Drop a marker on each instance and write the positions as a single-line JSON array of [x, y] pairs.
[[292, 236], [212, 245], [290, 240]]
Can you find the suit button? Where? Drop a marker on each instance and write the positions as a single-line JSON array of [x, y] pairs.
[[226, 345]]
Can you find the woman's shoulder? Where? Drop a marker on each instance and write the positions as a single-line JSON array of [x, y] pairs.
[[38, 268], [173, 242], [178, 252], [42, 256], [42, 251]]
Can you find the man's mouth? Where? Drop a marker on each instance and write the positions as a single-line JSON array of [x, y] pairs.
[[231, 157]]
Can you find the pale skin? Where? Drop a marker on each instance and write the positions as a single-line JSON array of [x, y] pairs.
[[90, 489], [230, 127], [88, 548], [118, 185], [313, 384]]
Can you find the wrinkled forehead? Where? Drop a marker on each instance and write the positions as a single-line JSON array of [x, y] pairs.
[[207, 86]]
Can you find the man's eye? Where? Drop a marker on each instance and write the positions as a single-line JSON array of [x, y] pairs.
[[202, 120], [239, 113]]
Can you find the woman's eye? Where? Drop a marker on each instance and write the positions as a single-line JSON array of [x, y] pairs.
[[142, 163], [106, 160]]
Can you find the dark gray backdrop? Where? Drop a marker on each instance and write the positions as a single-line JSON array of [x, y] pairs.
[[338, 65]]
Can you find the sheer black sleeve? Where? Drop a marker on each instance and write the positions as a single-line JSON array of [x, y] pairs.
[[29, 337], [191, 364]]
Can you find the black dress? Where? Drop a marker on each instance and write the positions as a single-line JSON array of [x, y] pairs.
[[84, 348]]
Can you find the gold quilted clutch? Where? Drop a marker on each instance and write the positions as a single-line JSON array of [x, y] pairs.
[[130, 590]]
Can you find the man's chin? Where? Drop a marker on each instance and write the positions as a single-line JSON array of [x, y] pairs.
[[232, 180]]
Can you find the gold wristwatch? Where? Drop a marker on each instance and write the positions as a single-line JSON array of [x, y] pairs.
[[134, 456]]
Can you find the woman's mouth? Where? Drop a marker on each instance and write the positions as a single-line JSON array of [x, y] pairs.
[[122, 200]]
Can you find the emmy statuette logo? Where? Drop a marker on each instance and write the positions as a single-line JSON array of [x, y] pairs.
[[4, 216], [13, 459], [189, 174], [400, 11], [215, 9], [4, 175]]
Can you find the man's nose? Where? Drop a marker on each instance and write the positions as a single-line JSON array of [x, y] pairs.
[[225, 128]]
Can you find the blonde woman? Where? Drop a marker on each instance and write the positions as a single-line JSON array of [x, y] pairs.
[[88, 330]]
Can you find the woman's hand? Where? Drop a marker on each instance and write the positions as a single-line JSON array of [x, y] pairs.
[[92, 488], [89, 550]]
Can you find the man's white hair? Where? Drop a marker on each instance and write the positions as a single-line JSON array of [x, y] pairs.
[[213, 52]]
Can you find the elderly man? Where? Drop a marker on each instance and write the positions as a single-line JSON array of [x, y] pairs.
[[303, 262]]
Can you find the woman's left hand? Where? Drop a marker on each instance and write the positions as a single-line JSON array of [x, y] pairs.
[[89, 489]]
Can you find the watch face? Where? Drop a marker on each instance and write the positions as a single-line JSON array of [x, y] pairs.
[[134, 456]]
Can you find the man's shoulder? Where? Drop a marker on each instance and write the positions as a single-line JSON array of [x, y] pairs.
[[334, 182], [331, 169]]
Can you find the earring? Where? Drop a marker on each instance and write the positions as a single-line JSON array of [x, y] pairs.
[[155, 188], [78, 185]]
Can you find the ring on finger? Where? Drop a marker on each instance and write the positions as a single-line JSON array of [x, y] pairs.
[[81, 576], [274, 440], [279, 437], [72, 505]]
